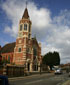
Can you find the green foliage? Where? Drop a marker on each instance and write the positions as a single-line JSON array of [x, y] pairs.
[[51, 59]]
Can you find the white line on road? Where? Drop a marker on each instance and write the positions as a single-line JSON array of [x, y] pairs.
[[34, 82]]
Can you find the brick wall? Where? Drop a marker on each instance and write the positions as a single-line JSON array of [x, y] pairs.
[[15, 71], [6, 55]]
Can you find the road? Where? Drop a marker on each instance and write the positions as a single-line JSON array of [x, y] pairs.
[[43, 79]]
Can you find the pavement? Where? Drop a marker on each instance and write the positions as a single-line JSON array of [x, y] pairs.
[[67, 82]]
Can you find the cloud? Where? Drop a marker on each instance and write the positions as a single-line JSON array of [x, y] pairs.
[[40, 17], [3, 41], [58, 36], [54, 33]]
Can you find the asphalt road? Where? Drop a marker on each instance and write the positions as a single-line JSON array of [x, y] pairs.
[[43, 79]]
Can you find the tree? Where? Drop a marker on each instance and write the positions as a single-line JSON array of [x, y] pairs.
[[51, 59]]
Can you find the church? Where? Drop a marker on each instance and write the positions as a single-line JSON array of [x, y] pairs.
[[26, 51]]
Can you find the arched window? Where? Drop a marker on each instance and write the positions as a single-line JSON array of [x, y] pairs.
[[25, 26], [21, 27], [19, 50], [35, 52], [9, 59]]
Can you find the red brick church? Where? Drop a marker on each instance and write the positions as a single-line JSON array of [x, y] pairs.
[[26, 50]]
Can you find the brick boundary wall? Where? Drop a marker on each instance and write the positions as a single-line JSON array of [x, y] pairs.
[[12, 71]]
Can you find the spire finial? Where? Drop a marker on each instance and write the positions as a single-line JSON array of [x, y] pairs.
[[26, 15], [26, 3]]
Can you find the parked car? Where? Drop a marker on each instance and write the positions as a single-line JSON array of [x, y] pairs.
[[58, 71], [4, 80]]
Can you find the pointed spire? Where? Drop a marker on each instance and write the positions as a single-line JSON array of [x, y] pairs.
[[25, 15]]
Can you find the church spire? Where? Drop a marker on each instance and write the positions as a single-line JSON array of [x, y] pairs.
[[25, 15]]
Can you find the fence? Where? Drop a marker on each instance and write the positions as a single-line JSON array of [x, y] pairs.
[[15, 71], [12, 71], [1, 69]]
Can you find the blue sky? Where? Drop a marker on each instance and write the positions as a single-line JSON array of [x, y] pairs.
[[50, 23], [55, 6]]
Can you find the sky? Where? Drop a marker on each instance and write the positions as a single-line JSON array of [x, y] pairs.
[[50, 23]]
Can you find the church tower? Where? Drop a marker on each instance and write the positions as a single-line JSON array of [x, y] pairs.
[[27, 51], [25, 26], [24, 34]]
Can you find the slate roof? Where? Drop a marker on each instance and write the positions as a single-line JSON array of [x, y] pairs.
[[25, 15], [8, 48], [34, 41]]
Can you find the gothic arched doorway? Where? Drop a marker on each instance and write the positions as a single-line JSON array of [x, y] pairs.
[[35, 67]]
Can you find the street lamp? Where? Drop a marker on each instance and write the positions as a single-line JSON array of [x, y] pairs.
[[40, 68]]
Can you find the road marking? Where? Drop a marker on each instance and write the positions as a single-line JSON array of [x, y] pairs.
[[34, 82]]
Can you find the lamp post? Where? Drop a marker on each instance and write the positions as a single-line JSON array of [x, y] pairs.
[[40, 68]]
